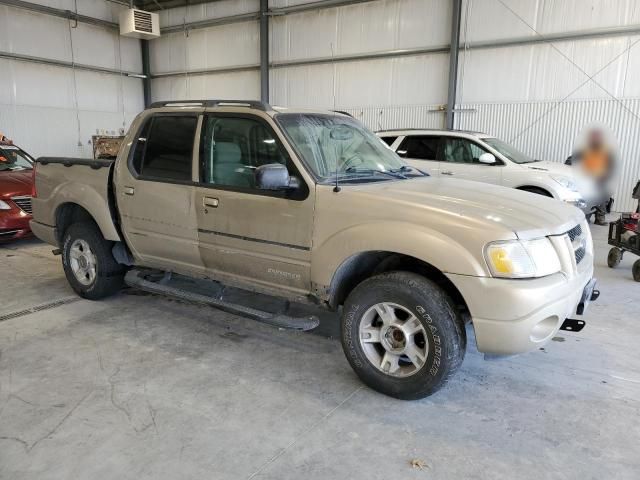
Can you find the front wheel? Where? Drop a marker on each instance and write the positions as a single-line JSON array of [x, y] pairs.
[[635, 270], [614, 258], [88, 263], [401, 335]]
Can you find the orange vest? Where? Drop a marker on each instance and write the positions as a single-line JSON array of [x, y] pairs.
[[596, 162]]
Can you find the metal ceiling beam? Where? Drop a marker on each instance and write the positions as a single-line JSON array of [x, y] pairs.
[[245, 17], [456, 9], [57, 12], [62, 63], [214, 22], [319, 5]]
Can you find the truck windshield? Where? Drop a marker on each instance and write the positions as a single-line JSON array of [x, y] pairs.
[[337, 144], [12, 158], [508, 151]]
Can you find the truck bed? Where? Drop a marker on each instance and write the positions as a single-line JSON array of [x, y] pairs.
[[61, 181]]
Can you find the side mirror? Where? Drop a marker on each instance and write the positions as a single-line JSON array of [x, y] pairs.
[[487, 158], [274, 176]]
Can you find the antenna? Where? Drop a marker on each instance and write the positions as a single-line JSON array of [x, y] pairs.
[[333, 65]]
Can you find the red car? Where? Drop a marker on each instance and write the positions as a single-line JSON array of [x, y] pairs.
[[16, 186]]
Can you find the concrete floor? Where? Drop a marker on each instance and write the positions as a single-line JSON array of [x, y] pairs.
[[140, 387]]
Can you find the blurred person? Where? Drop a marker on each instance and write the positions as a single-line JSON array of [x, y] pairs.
[[595, 156], [5, 139]]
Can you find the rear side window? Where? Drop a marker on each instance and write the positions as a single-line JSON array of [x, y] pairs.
[[165, 146], [389, 140], [421, 147]]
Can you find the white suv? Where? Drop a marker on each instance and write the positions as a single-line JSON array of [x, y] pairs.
[[483, 158]]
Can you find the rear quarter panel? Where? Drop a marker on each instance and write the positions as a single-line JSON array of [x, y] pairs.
[[58, 184]]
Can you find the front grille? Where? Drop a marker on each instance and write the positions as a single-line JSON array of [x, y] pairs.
[[578, 242], [24, 203], [575, 232]]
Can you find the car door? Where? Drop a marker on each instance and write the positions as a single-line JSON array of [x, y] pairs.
[[253, 235], [155, 191], [460, 159], [421, 151]]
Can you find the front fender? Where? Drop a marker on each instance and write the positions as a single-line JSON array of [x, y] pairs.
[[445, 253]]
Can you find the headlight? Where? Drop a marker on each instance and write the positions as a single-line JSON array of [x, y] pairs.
[[566, 182], [4, 205], [522, 259]]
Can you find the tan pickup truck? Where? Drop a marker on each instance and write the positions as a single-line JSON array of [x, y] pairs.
[[311, 207]]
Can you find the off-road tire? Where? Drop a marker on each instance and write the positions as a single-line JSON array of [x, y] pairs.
[[109, 274], [446, 335], [614, 257]]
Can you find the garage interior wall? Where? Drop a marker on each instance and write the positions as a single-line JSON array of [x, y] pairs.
[[536, 95], [54, 110]]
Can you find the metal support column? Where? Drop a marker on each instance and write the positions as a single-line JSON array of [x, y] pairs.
[[453, 61], [264, 51], [146, 71]]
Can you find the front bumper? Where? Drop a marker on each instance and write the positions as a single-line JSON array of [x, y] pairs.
[[14, 224], [516, 316]]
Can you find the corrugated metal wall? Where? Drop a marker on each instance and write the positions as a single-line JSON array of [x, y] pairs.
[[44, 108]]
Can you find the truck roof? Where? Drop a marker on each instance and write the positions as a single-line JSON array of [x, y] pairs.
[[428, 131], [250, 104]]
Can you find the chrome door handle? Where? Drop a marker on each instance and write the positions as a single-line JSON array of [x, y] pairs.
[[446, 173], [210, 202], [129, 190]]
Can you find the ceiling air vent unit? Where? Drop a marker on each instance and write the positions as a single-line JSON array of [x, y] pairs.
[[139, 24]]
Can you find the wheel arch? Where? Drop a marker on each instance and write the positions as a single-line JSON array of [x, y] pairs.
[[69, 213], [357, 268], [536, 189]]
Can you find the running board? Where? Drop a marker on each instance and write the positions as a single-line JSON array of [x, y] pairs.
[[208, 292]]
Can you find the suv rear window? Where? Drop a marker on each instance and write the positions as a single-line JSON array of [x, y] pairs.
[[164, 149], [421, 147]]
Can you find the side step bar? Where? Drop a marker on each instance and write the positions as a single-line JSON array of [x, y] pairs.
[[206, 292]]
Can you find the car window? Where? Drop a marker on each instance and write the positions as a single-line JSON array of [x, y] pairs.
[[12, 158], [461, 150], [388, 140], [165, 152], [421, 147], [233, 147]]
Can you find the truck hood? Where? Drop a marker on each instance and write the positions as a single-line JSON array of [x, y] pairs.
[[15, 183], [525, 214]]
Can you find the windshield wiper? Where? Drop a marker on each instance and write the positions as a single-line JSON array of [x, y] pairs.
[[371, 171]]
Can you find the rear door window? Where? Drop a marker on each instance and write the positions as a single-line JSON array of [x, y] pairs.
[[389, 140], [420, 147], [164, 149]]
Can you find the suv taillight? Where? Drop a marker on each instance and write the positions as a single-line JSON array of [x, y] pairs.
[[34, 192]]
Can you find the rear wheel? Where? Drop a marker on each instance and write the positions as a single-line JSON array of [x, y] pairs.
[[88, 262], [614, 258], [402, 335], [636, 270]]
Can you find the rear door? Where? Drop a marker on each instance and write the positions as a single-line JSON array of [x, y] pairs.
[[155, 193], [460, 159], [421, 151], [245, 233]]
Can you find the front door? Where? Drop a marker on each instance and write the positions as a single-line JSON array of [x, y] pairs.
[[421, 152], [155, 193], [460, 159], [248, 234]]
